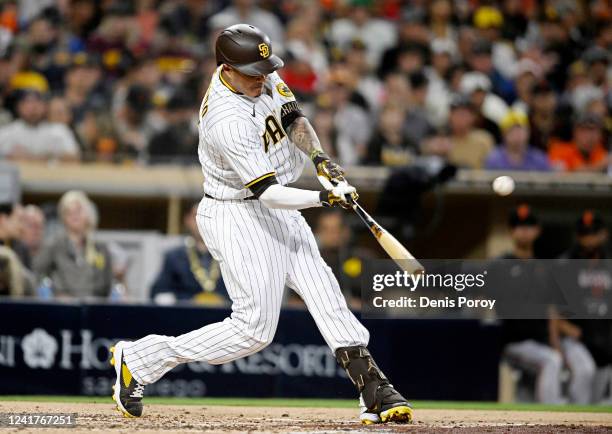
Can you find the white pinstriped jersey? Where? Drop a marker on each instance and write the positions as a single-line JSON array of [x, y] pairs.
[[242, 140], [260, 250]]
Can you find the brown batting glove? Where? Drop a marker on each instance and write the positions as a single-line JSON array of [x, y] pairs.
[[338, 196], [327, 168]]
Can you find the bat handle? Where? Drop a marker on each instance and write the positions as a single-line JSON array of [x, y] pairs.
[[334, 183]]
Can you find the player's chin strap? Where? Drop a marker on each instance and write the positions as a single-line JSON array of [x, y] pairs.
[[364, 373]]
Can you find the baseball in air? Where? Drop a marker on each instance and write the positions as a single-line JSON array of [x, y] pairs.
[[503, 185]]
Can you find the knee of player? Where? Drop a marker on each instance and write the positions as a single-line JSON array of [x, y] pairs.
[[585, 370], [554, 360]]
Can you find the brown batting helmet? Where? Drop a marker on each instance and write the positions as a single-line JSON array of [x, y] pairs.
[[247, 49]]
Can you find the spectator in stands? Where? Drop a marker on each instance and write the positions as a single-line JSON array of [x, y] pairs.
[[189, 271], [397, 90], [114, 37], [378, 35], [41, 49], [411, 58], [440, 20], [528, 73], [84, 85], [416, 124], [597, 60], [76, 265], [542, 115], [12, 282], [408, 53], [389, 146], [368, 85], [31, 137], [88, 99], [134, 130], [481, 61], [59, 111], [585, 153], [438, 75], [351, 121], [33, 229], [323, 123], [247, 11], [303, 44], [498, 62], [10, 232], [178, 142], [514, 19], [490, 108], [299, 76], [515, 153], [98, 136], [470, 145]]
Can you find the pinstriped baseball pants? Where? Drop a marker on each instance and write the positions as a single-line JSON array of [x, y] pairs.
[[259, 250]]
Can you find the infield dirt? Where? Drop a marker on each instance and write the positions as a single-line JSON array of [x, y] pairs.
[[103, 417]]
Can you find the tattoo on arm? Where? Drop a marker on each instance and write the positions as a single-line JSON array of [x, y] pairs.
[[303, 135]]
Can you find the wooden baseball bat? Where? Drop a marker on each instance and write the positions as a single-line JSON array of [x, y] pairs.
[[388, 242]]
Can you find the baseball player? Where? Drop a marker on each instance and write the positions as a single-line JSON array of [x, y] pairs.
[[254, 142]]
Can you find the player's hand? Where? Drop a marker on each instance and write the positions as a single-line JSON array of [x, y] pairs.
[[327, 168], [339, 195]]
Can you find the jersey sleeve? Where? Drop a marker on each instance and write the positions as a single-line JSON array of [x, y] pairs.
[[289, 109], [243, 150]]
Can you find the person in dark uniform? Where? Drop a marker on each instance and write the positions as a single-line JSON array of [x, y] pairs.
[[524, 230], [527, 342], [189, 272], [595, 268]]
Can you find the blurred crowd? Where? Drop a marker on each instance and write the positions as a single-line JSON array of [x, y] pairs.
[[56, 255], [506, 84]]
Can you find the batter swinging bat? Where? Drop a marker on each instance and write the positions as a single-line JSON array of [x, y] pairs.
[[388, 242]]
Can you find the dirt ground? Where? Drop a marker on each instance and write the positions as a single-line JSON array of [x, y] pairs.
[[210, 419]]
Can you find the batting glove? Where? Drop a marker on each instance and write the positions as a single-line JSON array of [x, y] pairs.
[[339, 196], [327, 168]]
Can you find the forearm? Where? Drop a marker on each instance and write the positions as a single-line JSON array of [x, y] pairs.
[[280, 197], [553, 334], [566, 328], [304, 137]]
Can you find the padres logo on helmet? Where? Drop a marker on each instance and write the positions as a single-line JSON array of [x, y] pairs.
[[264, 50]]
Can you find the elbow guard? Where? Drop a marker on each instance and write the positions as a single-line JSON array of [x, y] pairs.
[[260, 186]]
